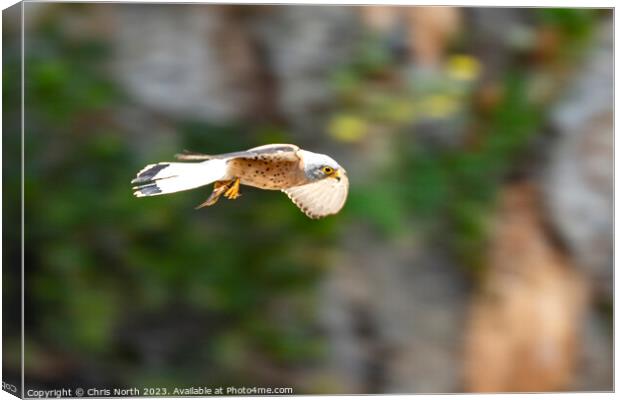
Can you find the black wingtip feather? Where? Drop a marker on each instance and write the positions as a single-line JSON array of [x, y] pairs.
[[148, 190], [147, 175]]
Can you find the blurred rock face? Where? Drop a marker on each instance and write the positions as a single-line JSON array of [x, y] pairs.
[[431, 28], [303, 45], [222, 63], [428, 30], [185, 60], [579, 184], [524, 327], [394, 315]]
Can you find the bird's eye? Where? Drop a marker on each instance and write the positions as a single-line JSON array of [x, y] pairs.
[[327, 170]]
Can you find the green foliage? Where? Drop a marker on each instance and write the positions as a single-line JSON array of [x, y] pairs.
[[575, 25], [576, 22]]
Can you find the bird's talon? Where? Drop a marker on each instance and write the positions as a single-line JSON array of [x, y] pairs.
[[219, 188], [233, 192]]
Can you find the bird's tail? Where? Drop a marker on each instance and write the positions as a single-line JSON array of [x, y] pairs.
[[165, 177]]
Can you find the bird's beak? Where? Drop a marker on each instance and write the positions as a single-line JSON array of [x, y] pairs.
[[338, 174]]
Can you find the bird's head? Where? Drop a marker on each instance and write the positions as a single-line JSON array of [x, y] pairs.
[[319, 166]]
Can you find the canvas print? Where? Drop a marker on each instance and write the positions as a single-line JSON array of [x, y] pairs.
[[212, 199]]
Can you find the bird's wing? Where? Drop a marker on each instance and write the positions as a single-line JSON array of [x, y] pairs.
[[321, 198], [193, 156], [270, 152], [272, 148], [280, 152]]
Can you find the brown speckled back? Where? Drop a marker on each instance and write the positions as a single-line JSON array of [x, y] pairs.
[[267, 173]]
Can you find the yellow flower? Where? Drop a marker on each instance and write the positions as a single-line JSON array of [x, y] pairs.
[[463, 68], [347, 128]]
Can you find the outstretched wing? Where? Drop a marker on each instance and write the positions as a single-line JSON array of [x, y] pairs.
[[321, 198], [280, 152]]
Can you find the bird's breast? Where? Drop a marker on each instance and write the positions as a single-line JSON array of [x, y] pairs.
[[266, 174]]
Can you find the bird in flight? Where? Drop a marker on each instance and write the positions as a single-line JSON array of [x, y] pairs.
[[316, 183]]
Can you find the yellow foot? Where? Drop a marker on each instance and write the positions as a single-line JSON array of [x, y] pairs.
[[233, 192], [219, 188]]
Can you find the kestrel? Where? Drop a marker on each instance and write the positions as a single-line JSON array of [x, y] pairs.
[[316, 183]]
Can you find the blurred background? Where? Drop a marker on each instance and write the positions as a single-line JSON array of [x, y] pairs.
[[474, 252]]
